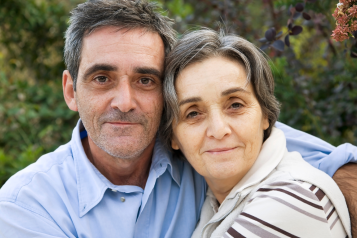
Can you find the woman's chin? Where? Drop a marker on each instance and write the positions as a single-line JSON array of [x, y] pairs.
[[225, 169]]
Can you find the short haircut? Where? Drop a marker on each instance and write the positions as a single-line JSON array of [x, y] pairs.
[[202, 44], [124, 14]]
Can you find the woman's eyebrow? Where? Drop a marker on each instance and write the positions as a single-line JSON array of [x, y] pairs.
[[189, 100], [233, 90]]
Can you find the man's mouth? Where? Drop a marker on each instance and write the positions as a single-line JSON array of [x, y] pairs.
[[122, 123]]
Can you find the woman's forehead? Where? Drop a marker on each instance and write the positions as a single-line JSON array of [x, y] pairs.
[[216, 74]]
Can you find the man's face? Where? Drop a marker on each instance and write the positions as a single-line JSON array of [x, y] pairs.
[[119, 89]]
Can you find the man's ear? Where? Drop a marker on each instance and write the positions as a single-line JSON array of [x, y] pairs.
[[68, 91], [174, 144]]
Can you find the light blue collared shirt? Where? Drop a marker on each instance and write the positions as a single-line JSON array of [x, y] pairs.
[[317, 152], [64, 195]]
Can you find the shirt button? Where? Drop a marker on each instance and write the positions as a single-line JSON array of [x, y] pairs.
[[113, 190], [122, 199]]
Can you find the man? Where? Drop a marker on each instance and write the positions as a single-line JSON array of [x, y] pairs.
[[114, 178]]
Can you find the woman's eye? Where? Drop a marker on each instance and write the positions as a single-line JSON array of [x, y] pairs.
[[192, 114], [145, 81], [101, 79], [236, 105]]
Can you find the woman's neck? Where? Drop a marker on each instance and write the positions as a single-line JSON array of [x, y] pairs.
[[222, 187]]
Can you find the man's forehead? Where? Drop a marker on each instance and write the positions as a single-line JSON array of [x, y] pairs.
[[109, 35], [113, 45]]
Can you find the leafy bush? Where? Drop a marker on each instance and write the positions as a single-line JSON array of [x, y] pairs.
[[34, 117]]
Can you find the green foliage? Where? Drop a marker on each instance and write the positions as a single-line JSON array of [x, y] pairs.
[[316, 82], [179, 8], [12, 164], [37, 113], [34, 117]]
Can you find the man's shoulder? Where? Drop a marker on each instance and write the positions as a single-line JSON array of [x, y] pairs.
[[46, 173]]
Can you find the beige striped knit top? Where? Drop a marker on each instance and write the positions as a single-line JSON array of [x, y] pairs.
[[280, 196]]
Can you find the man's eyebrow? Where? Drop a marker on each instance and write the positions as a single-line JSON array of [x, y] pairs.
[[150, 71], [189, 100], [99, 67], [233, 90]]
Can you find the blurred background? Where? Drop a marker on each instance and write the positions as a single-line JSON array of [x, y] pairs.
[[316, 79]]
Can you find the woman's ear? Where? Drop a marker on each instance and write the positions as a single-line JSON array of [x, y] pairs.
[[174, 144], [265, 122]]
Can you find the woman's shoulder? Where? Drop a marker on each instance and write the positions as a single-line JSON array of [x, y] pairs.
[[297, 195], [290, 208], [293, 167]]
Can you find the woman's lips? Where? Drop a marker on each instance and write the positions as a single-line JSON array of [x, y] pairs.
[[221, 150]]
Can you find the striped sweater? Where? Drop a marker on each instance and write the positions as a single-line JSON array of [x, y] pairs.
[[280, 196], [308, 212]]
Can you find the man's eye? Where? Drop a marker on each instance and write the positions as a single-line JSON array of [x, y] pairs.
[[236, 105], [192, 114], [145, 81], [101, 79]]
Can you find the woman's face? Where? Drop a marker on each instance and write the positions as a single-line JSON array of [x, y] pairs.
[[220, 127]]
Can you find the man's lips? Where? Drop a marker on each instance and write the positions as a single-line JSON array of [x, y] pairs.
[[122, 123]]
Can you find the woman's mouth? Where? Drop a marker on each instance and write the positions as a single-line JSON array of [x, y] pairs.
[[221, 150]]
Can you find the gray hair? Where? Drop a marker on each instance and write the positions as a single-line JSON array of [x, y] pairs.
[[125, 14], [205, 43]]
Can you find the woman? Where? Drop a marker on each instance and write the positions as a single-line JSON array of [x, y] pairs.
[[220, 113]]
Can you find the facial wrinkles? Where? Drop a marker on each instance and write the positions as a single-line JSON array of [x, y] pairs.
[[248, 123], [115, 115], [97, 105], [104, 140], [129, 60], [210, 80], [257, 140], [128, 46], [134, 116], [124, 48]]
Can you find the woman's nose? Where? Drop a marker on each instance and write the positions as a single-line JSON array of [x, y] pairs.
[[124, 97], [218, 126]]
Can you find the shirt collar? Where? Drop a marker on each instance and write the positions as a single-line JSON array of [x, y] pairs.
[[271, 154], [91, 184], [162, 159]]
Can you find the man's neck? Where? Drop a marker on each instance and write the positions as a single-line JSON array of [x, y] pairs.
[[119, 171]]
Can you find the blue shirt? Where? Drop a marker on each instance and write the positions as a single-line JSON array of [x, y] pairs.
[[317, 152], [64, 195]]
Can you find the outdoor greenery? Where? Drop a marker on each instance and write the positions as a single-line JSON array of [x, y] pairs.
[[316, 79]]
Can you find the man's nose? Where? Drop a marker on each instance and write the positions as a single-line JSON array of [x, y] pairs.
[[124, 97], [218, 126]]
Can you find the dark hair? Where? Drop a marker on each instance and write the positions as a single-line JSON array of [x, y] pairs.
[[125, 14], [202, 44]]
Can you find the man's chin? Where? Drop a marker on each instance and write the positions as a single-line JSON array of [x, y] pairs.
[[124, 147]]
